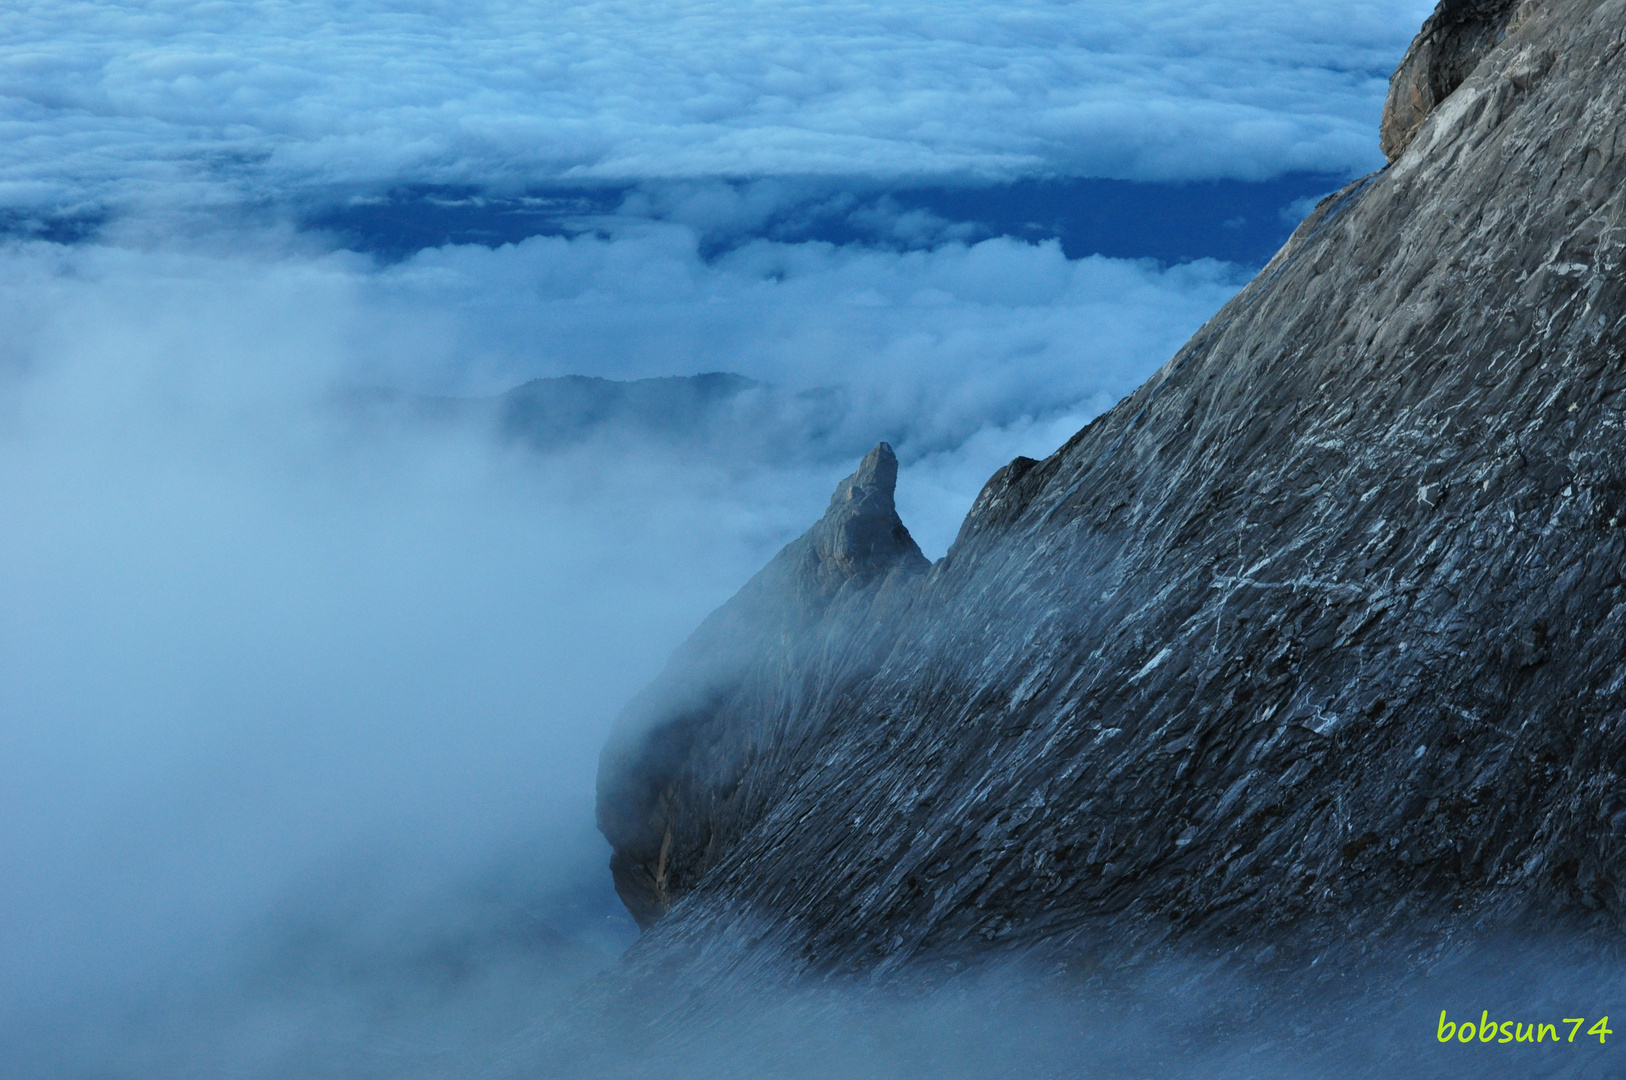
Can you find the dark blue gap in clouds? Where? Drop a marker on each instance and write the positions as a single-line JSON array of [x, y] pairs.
[[69, 228], [1236, 221]]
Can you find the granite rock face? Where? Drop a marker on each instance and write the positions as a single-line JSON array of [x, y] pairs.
[[1452, 43], [1318, 636]]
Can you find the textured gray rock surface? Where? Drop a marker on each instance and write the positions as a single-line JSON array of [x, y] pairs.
[[1317, 637], [1451, 44]]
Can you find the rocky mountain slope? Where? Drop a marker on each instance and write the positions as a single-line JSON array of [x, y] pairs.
[[1318, 636]]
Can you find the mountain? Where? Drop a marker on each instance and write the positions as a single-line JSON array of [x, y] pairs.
[[717, 416], [548, 413], [1315, 641]]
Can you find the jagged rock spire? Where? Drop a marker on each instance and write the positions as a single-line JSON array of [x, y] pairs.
[[684, 767], [860, 536]]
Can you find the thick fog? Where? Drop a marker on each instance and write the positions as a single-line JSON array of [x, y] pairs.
[[303, 672]]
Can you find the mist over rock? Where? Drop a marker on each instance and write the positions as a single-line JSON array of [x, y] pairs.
[[710, 729], [1316, 640]]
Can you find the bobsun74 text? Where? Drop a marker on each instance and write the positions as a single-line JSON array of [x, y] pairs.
[[1509, 1031]]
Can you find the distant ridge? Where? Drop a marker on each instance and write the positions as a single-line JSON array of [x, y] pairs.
[[716, 415], [546, 413]]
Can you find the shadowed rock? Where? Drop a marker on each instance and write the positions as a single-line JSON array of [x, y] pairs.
[[1452, 43]]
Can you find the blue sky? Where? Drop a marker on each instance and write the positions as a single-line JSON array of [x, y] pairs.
[[247, 645]]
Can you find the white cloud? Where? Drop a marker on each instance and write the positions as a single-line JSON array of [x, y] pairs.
[[930, 346], [128, 102]]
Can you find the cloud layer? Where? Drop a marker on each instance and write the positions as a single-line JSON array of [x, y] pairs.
[[122, 103]]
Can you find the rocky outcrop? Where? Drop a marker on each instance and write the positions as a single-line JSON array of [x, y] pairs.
[[1452, 43], [694, 760], [1318, 636]]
